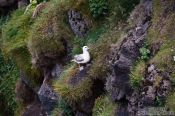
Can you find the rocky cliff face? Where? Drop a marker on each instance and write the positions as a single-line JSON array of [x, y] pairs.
[[119, 57]]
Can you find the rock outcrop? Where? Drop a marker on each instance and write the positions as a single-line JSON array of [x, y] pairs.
[[118, 82], [47, 97], [79, 24]]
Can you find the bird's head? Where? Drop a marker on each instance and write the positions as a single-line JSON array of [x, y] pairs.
[[85, 48]]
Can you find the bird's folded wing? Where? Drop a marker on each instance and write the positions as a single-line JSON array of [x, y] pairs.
[[78, 58]]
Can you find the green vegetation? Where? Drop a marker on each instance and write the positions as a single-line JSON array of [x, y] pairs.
[[62, 108], [160, 102], [98, 7], [99, 40], [103, 107], [49, 31], [164, 58], [65, 108], [31, 41], [98, 69], [8, 78], [15, 36], [161, 32], [91, 38], [72, 93], [145, 52], [119, 10], [170, 102], [137, 74]]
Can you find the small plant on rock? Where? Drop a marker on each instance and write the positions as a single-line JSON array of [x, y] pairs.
[[145, 52]]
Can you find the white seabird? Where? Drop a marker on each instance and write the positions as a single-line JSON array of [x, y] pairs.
[[82, 58]]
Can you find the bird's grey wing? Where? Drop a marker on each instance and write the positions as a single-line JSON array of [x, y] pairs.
[[78, 58]]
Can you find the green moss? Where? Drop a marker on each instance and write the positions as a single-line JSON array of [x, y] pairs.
[[99, 52], [99, 40], [62, 108], [51, 29], [137, 74], [15, 31], [98, 7], [170, 102], [162, 56], [119, 10], [14, 36], [73, 93], [104, 107], [91, 38], [163, 26], [162, 31]]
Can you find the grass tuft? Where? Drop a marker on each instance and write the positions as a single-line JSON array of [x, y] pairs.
[[137, 74], [104, 107]]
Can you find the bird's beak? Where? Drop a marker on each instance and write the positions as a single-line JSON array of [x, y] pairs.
[[88, 48]]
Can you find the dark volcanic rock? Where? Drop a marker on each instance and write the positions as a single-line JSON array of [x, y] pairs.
[[47, 97], [126, 57], [78, 23], [46, 94]]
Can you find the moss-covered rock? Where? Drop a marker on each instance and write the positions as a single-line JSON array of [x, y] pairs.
[[104, 107]]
